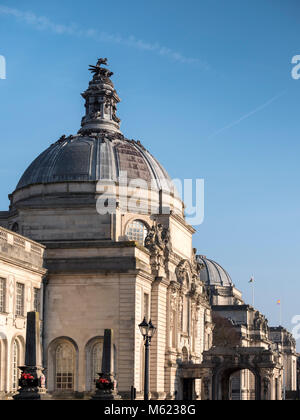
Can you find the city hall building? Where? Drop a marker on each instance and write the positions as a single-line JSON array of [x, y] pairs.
[[79, 247]]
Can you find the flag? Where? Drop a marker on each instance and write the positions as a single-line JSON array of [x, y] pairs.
[[278, 302], [251, 280]]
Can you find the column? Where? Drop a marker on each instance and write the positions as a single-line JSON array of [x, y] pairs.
[[158, 344]]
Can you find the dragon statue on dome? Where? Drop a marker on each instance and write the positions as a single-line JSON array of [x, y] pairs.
[[97, 70]]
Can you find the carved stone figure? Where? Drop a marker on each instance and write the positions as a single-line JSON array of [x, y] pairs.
[[150, 238], [95, 115], [159, 236], [196, 265], [182, 271], [97, 70], [114, 114], [173, 288], [157, 241], [266, 385], [257, 321]]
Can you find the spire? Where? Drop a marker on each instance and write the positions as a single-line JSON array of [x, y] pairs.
[[101, 101]]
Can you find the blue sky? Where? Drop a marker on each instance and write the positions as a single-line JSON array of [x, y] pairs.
[[205, 85]]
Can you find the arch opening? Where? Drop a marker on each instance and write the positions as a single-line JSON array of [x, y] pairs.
[[237, 383]]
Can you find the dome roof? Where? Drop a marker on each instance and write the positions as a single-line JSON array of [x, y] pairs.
[[94, 158], [99, 151], [213, 274]]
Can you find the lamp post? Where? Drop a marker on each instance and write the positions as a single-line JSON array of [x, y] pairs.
[[147, 330]]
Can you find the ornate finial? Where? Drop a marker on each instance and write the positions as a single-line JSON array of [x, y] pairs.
[[101, 101], [97, 70]]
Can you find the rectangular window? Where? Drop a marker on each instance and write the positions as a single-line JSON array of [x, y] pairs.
[[36, 299], [2, 295], [64, 381], [20, 299]]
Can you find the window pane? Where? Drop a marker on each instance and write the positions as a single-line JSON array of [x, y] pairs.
[[20, 299], [96, 361], [136, 231], [15, 365], [65, 367]]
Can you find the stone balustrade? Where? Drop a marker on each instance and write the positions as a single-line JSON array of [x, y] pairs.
[[23, 249]]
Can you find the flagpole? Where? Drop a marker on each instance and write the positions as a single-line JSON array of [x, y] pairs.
[[280, 314], [252, 282]]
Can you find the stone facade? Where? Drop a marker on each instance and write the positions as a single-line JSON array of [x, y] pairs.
[[284, 343], [92, 287], [259, 362], [21, 290]]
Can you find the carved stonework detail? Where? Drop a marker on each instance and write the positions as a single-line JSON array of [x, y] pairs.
[[196, 265], [187, 273], [100, 72], [189, 270], [172, 320], [182, 272], [260, 323], [173, 289], [180, 310], [158, 242], [195, 312], [101, 102], [267, 375]]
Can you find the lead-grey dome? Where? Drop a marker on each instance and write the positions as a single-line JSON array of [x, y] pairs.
[[99, 151], [213, 274], [101, 157]]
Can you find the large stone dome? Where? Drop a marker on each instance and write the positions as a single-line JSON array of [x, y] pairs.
[[94, 185], [93, 158], [213, 274], [99, 151]]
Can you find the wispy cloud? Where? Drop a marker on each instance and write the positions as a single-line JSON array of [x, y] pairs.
[[43, 23], [249, 114]]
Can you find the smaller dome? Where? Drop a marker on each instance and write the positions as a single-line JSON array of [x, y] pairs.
[[213, 274]]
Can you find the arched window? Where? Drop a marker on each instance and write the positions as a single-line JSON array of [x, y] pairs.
[[96, 354], [15, 365], [136, 231], [65, 367]]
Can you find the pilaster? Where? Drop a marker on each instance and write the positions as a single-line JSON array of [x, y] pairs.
[[158, 344]]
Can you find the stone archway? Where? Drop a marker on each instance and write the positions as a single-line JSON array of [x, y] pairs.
[[219, 363], [221, 381]]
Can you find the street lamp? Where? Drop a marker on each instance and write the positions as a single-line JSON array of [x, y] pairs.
[[147, 330]]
